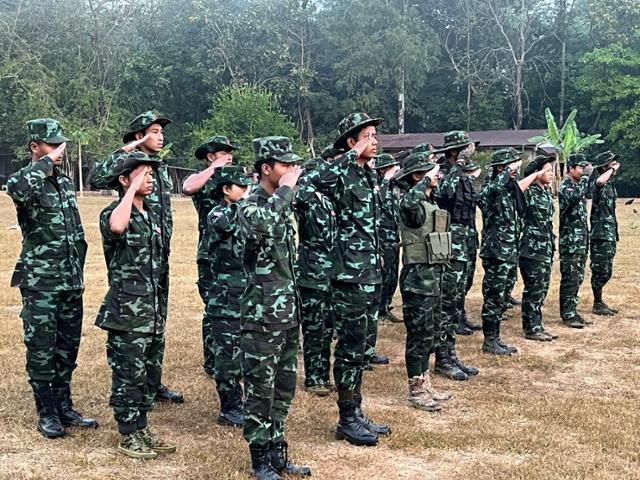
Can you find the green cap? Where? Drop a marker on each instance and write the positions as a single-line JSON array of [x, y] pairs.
[[45, 130], [537, 164], [456, 139], [385, 160], [140, 124], [504, 156], [350, 125], [217, 143], [416, 162], [577, 160], [274, 148], [232, 174], [127, 164], [604, 158], [422, 147]]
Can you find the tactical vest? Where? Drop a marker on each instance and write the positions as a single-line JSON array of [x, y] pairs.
[[464, 204], [430, 243]]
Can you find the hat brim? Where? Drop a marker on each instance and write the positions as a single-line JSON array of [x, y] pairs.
[[386, 165], [341, 142], [601, 164], [213, 147], [402, 173], [287, 158], [131, 136], [57, 140], [453, 147]]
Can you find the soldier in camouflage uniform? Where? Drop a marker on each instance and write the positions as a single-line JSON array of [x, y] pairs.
[[49, 275], [133, 312], [270, 308], [426, 248], [537, 245], [317, 236], [455, 194], [351, 185], [502, 203], [574, 237], [201, 187], [146, 134], [225, 245], [604, 229]]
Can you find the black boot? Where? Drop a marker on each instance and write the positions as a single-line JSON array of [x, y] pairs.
[[445, 366], [462, 328], [508, 348], [165, 394], [350, 428], [68, 416], [468, 369], [49, 423], [231, 411], [471, 326], [491, 345], [377, 428], [261, 464], [281, 463]]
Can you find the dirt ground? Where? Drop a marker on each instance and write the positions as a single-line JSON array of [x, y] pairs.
[[561, 410]]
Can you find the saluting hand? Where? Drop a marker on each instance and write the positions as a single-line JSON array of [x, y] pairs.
[[391, 172], [587, 171], [56, 154], [362, 144], [290, 178], [433, 173], [138, 176], [130, 147]]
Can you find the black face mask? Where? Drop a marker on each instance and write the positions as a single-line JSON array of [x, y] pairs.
[[518, 196]]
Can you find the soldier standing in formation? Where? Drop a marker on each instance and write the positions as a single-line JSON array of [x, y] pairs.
[[201, 187], [49, 275], [133, 312]]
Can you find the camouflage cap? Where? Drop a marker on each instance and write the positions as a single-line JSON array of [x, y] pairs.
[[416, 162], [456, 139], [232, 174], [217, 143], [140, 124], [422, 147], [604, 158], [385, 160], [350, 125], [330, 152], [274, 148], [470, 166], [126, 164], [537, 164], [504, 156], [45, 130], [577, 160]]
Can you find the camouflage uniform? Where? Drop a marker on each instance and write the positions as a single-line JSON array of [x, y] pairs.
[[317, 236], [49, 270], [574, 239], [270, 307], [133, 311]]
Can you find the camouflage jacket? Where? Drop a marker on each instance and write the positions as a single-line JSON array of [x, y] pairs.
[[455, 194], [389, 217], [136, 265], [500, 219], [538, 240], [316, 233], [53, 245], [353, 192], [269, 302], [159, 200], [574, 231], [204, 200], [421, 278], [225, 259], [604, 224]]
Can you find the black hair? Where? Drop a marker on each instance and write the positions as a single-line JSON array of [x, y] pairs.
[[258, 165]]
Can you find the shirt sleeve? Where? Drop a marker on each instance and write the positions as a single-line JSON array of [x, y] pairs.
[[22, 184]]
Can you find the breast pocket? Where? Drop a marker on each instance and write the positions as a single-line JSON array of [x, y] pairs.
[[360, 201]]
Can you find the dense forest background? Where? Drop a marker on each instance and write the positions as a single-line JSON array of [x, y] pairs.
[[296, 67]]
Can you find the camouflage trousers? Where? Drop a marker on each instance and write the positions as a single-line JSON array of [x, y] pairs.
[[602, 254], [496, 285], [571, 278], [512, 278], [317, 334], [536, 276], [356, 309], [136, 370], [390, 265], [454, 289], [225, 333], [204, 281], [269, 367], [52, 323], [422, 316]]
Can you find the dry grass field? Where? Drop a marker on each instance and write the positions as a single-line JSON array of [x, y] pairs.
[[567, 409]]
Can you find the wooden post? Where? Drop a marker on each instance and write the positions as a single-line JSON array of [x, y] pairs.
[[80, 168]]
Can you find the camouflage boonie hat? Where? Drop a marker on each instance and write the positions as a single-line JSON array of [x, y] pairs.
[[350, 125], [330, 152], [126, 165], [217, 143], [504, 156], [470, 166], [422, 147], [416, 162], [537, 164], [385, 160], [604, 158], [45, 130], [455, 139], [577, 160], [232, 174], [274, 148], [141, 122]]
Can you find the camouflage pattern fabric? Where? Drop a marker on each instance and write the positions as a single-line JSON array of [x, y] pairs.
[[454, 288], [571, 278], [317, 334], [536, 276], [512, 279], [204, 200], [45, 130], [604, 233], [602, 254], [141, 123], [225, 347], [390, 243], [52, 328], [136, 369], [372, 327], [269, 368], [498, 276]]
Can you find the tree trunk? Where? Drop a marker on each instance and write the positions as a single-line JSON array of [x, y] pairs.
[[401, 104], [563, 74]]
